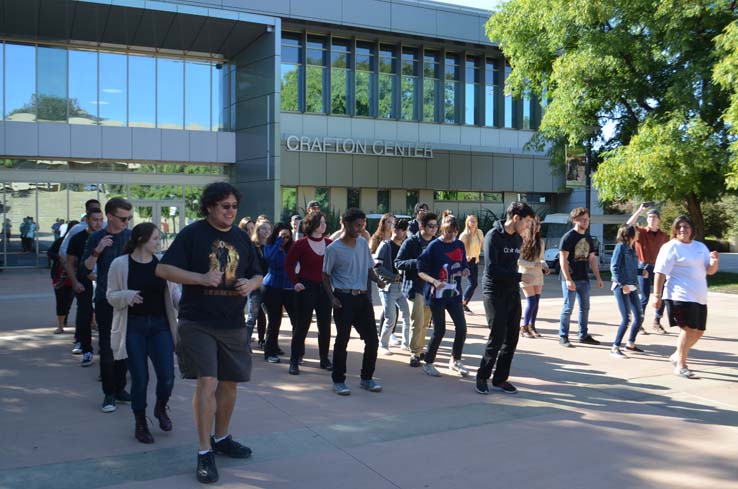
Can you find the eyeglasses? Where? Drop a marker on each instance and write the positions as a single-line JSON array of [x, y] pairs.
[[431, 226], [122, 219], [227, 207]]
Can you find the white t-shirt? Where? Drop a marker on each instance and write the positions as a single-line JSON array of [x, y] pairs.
[[685, 266]]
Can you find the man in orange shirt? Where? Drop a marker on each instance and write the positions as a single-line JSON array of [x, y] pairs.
[[649, 240]]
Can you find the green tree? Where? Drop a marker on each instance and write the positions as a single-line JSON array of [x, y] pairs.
[[644, 66], [726, 74]]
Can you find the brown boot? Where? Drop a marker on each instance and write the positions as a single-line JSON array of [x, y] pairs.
[[161, 413], [142, 428]]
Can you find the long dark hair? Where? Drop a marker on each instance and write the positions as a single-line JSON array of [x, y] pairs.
[[275, 234], [531, 249], [626, 233], [140, 234]]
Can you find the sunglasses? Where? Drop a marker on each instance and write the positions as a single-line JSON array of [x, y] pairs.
[[122, 219], [432, 226], [227, 207]]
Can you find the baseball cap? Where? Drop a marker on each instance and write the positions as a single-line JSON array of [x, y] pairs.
[[313, 203], [654, 211]]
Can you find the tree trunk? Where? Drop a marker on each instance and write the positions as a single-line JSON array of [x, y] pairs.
[[694, 208]]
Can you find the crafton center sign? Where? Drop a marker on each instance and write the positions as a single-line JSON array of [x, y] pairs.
[[352, 146]]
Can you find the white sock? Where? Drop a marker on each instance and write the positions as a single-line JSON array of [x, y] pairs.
[[218, 440], [203, 452]]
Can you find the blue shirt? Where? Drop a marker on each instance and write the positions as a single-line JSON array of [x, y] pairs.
[[445, 262], [275, 257], [105, 259]]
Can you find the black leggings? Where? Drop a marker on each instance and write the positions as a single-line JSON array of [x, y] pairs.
[[314, 297], [64, 298], [274, 299]]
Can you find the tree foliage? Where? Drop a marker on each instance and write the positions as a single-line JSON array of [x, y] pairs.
[[645, 69], [726, 74]]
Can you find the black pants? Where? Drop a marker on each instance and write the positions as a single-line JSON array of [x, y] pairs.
[[356, 311], [503, 318], [64, 298], [314, 297], [274, 299], [438, 314], [113, 372], [83, 322]]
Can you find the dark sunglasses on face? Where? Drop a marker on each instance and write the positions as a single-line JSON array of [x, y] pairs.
[[123, 219], [432, 226], [226, 207]]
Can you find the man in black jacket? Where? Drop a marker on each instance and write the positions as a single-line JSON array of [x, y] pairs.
[[407, 262], [501, 296]]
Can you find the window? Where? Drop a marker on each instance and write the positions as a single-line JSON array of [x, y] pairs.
[[445, 195], [197, 96], [473, 91], [292, 66], [409, 93], [491, 92], [315, 74], [170, 93], [353, 198], [411, 198], [323, 196], [509, 106], [387, 81], [142, 90], [431, 81], [113, 90], [289, 202], [20, 88], [452, 89], [366, 80], [383, 201], [527, 114], [51, 99], [219, 87], [83, 102], [492, 196], [340, 76]]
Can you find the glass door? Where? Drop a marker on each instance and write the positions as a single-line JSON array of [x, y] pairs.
[[167, 215]]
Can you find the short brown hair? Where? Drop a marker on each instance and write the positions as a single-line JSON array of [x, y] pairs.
[[578, 212], [679, 220], [311, 222], [117, 203]]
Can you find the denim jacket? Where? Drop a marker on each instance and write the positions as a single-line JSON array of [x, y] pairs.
[[624, 265]]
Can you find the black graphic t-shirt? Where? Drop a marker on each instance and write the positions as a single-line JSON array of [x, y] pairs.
[[200, 248], [579, 247]]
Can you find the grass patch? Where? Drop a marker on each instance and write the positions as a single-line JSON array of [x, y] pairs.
[[726, 282]]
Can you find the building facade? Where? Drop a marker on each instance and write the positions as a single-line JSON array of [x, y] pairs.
[[371, 103]]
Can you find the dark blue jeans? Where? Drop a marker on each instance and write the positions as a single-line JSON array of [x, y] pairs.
[[644, 285], [83, 322], [473, 278], [581, 293], [627, 304], [149, 337]]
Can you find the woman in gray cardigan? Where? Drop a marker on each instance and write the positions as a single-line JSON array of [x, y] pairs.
[[144, 325], [391, 295]]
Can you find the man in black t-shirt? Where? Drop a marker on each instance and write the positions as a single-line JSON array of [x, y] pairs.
[[576, 255], [82, 285], [218, 267]]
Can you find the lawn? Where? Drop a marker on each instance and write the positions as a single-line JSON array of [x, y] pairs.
[[726, 282]]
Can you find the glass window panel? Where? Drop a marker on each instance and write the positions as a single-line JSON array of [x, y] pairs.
[[2, 110], [492, 196], [113, 90], [197, 96], [387, 84], [411, 198], [472, 95], [508, 103], [409, 89], [386, 65], [383, 201], [20, 88], [339, 91], [315, 42], [323, 196], [353, 198], [51, 99], [290, 82], [430, 96], [142, 88], [451, 94], [289, 203], [83, 101], [170, 93], [527, 123], [314, 92], [453, 70], [364, 92], [316, 57], [490, 93], [218, 74], [291, 39]]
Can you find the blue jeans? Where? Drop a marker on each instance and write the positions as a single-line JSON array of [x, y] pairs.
[[644, 285], [473, 281], [582, 295], [390, 297], [149, 337], [628, 303]]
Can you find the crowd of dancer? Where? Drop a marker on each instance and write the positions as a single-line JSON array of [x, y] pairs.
[[218, 282]]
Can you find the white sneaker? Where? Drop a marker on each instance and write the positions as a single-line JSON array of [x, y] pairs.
[[385, 351], [394, 341], [459, 367], [615, 352], [77, 349], [429, 369]]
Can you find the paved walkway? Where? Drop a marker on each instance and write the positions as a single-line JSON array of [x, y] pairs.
[[582, 419]]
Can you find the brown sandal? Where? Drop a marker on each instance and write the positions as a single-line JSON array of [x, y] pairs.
[[525, 332]]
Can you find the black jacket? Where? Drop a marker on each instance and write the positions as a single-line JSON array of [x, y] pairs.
[[501, 253], [407, 261]]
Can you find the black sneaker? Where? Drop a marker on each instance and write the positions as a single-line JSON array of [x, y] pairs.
[[482, 387], [207, 472], [588, 340], [230, 448], [294, 369], [505, 387], [326, 364], [123, 396], [280, 352], [466, 309], [564, 341], [414, 361], [633, 348]]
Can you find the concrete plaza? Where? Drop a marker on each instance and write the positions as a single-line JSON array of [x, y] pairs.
[[582, 419]]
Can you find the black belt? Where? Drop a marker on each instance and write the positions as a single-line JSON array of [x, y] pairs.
[[351, 291]]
